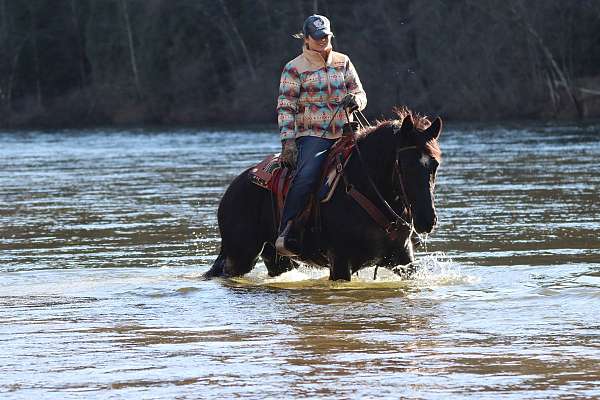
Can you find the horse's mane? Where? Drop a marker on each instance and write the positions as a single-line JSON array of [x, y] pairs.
[[421, 122]]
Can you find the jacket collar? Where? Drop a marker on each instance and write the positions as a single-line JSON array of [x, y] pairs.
[[314, 57]]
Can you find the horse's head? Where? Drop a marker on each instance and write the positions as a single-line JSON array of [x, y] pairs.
[[418, 155]]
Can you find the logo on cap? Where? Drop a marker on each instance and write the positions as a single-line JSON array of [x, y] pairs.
[[316, 26]]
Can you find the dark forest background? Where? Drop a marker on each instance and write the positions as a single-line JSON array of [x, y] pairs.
[[99, 62]]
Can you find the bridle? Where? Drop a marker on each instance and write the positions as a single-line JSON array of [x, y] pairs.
[[390, 225], [398, 172], [396, 222]]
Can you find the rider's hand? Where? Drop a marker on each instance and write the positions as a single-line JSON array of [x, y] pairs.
[[349, 102], [289, 152]]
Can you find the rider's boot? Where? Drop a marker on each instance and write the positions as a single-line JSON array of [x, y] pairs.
[[288, 243]]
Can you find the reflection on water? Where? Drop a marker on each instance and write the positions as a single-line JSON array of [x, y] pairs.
[[104, 237]]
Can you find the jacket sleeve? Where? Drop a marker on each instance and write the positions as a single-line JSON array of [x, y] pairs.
[[354, 86], [287, 102]]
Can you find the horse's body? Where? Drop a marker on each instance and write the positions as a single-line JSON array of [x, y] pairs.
[[398, 161]]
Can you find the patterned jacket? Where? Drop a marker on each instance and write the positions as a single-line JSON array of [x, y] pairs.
[[310, 90]]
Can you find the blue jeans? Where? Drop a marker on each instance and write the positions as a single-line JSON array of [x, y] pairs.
[[312, 152]]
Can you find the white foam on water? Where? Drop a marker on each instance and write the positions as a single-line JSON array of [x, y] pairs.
[[304, 276], [434, 269], [437, 269], [302, 273]]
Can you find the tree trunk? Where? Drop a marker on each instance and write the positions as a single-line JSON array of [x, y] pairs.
[[4, 37], [134, 67], [266, 8], [412, 33], [552, 92], [562, 77], [240, 40], [80, 49], [564, 81], [4, 47], [13, 70], [36, 57]]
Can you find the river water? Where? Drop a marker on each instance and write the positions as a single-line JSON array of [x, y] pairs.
[[104, 236]]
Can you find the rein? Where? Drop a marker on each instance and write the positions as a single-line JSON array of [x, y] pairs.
[[390, 226], [397, 218], [398, 171]]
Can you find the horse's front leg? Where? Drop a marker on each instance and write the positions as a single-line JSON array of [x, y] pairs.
[[276, 264], [407, 253], [340, 267], [401, 262]]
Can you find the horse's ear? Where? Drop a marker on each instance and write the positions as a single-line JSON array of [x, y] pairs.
[[407, 124], [435, 128]]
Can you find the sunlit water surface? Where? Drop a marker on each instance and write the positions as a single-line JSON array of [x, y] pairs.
[[104, 236]]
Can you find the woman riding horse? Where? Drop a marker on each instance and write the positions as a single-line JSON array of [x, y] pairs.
[[385, 195], [313, 88]]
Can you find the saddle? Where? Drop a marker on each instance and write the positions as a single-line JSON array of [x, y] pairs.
[[272, 175]]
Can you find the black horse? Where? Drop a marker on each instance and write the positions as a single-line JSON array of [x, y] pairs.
[[387, 192]]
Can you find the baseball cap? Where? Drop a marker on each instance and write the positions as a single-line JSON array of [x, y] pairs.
[[317, 26]]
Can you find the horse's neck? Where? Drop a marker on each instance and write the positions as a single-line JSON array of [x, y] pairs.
[[377, 150], [373, 160]]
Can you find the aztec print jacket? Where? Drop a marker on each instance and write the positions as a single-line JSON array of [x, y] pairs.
[[310, 90]]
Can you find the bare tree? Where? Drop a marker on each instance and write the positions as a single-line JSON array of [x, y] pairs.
[[80, 49], [5, 62], [36, 54], [240, 39], [132, 57], [562, 78]]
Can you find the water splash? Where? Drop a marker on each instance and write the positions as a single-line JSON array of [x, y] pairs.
[[435, 269]]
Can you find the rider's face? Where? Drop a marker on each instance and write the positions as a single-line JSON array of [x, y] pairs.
[[319, 44]]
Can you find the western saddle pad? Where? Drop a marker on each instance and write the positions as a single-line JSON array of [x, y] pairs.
[[272, 175]]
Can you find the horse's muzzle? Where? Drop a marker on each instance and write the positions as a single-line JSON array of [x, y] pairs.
[[425, 225]]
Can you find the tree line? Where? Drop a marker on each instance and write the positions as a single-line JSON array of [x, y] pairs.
[[183, 62]]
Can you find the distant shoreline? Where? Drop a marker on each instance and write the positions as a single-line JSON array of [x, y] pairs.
[[272, 127], [187, 63]]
